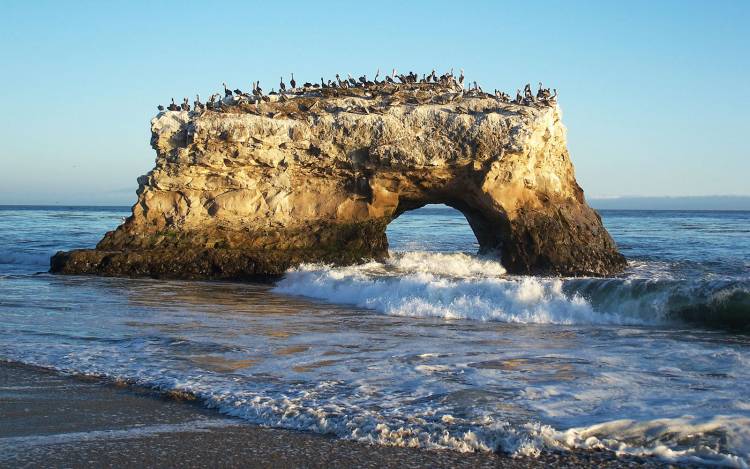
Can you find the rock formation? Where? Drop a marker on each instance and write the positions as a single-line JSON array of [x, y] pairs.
[[252, 189]]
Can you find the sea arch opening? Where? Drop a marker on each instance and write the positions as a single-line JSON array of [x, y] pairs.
[[443, 227]]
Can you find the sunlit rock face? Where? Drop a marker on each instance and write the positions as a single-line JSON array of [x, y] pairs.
[[252, 190]]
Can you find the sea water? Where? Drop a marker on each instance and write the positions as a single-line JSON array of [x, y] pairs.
[[435, 347]]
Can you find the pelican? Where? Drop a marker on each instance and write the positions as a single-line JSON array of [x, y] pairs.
[[227, 91], [292, 82], [282, 86], [461, 78], [527, 91], [377, 74], [160, 108], [352, 81]]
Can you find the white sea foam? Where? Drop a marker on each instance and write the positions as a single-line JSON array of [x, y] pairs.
[[719, 441], [450, 286], [672, 440]]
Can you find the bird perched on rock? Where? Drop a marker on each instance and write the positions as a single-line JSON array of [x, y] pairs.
[[527, 92], [282, 86], [390, 79], [292, 82]]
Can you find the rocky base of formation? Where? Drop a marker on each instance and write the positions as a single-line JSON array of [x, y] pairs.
[[172, 255], [190, 264], [247, 191]]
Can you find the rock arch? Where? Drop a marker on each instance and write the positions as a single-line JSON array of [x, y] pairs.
[[240, 195]]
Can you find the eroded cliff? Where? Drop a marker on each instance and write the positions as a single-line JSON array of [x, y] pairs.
[[250, 190]]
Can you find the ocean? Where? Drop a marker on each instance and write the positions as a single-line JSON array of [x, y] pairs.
[[434, 348]]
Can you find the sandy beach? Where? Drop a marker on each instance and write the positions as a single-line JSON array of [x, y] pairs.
[[51, 420]]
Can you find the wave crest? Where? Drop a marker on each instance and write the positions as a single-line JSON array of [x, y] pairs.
[[450, 286], [460, 286]]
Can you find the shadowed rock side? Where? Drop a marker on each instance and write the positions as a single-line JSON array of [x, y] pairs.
[[250, 191]]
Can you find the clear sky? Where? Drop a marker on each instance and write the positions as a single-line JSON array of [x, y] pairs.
[[654, 93]]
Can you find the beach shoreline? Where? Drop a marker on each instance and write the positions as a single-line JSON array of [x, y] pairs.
[[48, 419]]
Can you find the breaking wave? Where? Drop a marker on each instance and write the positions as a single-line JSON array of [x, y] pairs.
[[460, 286]]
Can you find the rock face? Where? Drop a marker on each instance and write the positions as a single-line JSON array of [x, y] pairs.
[[251, 190]]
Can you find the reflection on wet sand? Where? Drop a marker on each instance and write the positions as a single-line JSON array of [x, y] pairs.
[[221, 364], [291, 350], [536, 369], [313, 366]]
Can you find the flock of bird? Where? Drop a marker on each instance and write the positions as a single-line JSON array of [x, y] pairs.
[[431, 82]]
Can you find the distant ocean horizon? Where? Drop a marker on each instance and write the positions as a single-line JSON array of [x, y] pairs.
[[705, 203]]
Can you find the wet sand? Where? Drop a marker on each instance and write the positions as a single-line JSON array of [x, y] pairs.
[[50, 420]]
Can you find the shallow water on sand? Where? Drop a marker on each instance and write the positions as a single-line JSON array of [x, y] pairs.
[[434, 348]]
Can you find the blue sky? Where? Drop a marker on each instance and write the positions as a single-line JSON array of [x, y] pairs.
[[654, 94]]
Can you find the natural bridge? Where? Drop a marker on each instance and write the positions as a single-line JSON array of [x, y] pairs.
[[249, 190]]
